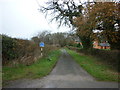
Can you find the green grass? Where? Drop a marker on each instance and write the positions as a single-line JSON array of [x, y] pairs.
[[37, 70], [97, 69]]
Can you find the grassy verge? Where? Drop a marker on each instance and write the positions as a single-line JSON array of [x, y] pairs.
[[37, 70], [96, 68]]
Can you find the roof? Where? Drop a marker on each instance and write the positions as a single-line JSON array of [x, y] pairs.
[[104, 44]]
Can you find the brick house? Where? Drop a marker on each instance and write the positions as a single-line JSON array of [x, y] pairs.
[[103, 45]]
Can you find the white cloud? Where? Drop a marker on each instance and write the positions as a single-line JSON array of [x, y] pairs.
[[21, 19]]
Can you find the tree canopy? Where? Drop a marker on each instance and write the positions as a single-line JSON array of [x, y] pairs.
[[101, 21], [92, 20]]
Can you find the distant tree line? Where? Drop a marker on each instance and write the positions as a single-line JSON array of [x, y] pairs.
[[59, 39]]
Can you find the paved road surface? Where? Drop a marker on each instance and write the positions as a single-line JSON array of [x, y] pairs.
[[66, 74]]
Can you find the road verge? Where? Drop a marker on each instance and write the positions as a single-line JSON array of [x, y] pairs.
[[37, 70], [93, 66]]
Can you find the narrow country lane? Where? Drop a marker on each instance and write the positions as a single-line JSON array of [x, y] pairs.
[[66, 74]]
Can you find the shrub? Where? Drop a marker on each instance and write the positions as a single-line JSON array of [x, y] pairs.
[[8, 46], [19, 51], [110, 57]]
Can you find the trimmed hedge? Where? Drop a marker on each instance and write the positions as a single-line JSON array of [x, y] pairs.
[[111, 57], [18, 50], [8, 46], [107, 55]]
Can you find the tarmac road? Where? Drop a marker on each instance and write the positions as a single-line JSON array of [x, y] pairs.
[[66, 74]]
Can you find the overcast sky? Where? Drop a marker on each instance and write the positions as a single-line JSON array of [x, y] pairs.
[[21, 19]]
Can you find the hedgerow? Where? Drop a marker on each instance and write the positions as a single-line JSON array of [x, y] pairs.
[[18, 50]]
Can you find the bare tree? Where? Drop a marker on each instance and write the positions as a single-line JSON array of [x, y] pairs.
[[64, 11]]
